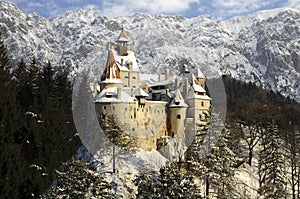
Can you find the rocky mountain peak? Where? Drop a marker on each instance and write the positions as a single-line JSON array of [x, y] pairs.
[[263, 47]]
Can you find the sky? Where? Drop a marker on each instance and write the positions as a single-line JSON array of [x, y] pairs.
[[217, 9]]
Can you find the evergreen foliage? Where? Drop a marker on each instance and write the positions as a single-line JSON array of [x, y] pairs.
[[271, 165], [170, 182], [217, 169], [37, 132], [77, 180], [115, 133]]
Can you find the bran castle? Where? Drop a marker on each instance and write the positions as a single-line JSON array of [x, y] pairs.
[[153, 112]]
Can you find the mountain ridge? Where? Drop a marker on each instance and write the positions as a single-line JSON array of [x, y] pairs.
[[263, 47]]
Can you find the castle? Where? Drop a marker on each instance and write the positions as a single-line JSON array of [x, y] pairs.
[[153, 112]]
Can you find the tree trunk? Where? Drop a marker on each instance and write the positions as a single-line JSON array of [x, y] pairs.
[[250, 156], [206, 187], [293, 179]]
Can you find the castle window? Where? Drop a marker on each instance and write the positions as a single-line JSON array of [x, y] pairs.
[[130, 116], [157, 111], [133, 77], [133, 129], [178, 116], [126, 77], [125, 109], [202, 103], [104, 107]]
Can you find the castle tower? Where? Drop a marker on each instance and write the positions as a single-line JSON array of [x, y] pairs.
[[122, 43], [111, 75], [200, 78], [197, 100], [177, 115]]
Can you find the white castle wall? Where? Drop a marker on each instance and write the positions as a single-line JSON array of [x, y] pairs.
[[144, 123]]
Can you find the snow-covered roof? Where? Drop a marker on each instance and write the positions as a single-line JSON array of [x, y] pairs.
[[111, 95], [198, 88], [111, 68], [161, 91], [149, 78], [94, 86], [112, 81], [123, 37], [178, 100], [197, 72], [163, 83], [193, 95], [130, 57], [140, 92]]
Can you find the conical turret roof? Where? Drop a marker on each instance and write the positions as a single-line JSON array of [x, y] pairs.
[[178, 100], [123, 37], [112, 70]]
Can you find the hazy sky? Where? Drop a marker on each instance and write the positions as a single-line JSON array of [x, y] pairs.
[[217, 9]]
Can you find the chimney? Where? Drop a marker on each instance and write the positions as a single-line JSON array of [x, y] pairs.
[[177, 82], [167, 91], [119, 90], [186, 87], [122, 62], [130, 66], [167, 73], [183, 68]]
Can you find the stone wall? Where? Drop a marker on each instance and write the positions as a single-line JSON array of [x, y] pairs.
[[144, 123]]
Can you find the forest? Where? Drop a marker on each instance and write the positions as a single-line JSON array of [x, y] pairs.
[[39, 142]]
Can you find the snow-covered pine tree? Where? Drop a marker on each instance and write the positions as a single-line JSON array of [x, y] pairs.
[[77, 180], [170, 182], [293, 159], [272, 177], [148, 185], [219, 172]]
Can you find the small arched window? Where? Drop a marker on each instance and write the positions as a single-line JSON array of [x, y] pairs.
[[178, 116]]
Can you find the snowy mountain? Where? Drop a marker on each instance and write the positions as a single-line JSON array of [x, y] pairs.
[[263, 47]]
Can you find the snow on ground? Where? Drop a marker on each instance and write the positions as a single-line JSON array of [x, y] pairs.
[[127, 166]]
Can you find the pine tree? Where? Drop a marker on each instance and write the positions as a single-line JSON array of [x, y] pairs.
[[11, 164], [170, 182], [148, 185], [271, 163], [77, 180], [219, 171], [116, 133]]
